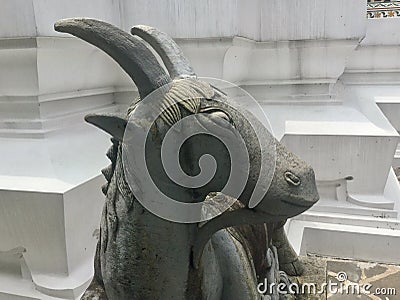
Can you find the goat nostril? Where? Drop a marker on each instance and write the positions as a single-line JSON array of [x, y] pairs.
[[292, 179]]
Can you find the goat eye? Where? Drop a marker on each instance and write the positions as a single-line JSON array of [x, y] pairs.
[[292, 179]]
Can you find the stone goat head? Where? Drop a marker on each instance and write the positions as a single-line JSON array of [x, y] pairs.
[[285, 183]]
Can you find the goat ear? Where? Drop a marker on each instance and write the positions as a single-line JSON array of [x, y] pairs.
[[113, 124]]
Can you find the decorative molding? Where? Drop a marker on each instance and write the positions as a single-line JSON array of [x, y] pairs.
[[249, 62], [18, 43], [75, 104], [377, 9]]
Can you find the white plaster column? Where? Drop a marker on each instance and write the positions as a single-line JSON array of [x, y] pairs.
[[50, 197]]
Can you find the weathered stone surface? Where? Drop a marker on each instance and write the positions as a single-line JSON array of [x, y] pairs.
[[349, 277], [144, 255], [354, 277], [94, 292], [314, 272]]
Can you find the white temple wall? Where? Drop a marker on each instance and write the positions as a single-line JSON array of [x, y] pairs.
[[325, 75]]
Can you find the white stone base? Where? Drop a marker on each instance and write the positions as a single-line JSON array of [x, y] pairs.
[[50, 207], [342, 229]]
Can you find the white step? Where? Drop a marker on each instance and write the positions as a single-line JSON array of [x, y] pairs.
[[367, 239], [13, 288], [344, 207], [342, 219]]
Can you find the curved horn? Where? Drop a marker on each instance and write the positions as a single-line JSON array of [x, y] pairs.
[[170, 53], [128, 51]]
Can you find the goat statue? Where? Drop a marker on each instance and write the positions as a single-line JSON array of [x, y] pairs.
[[141, 255]]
